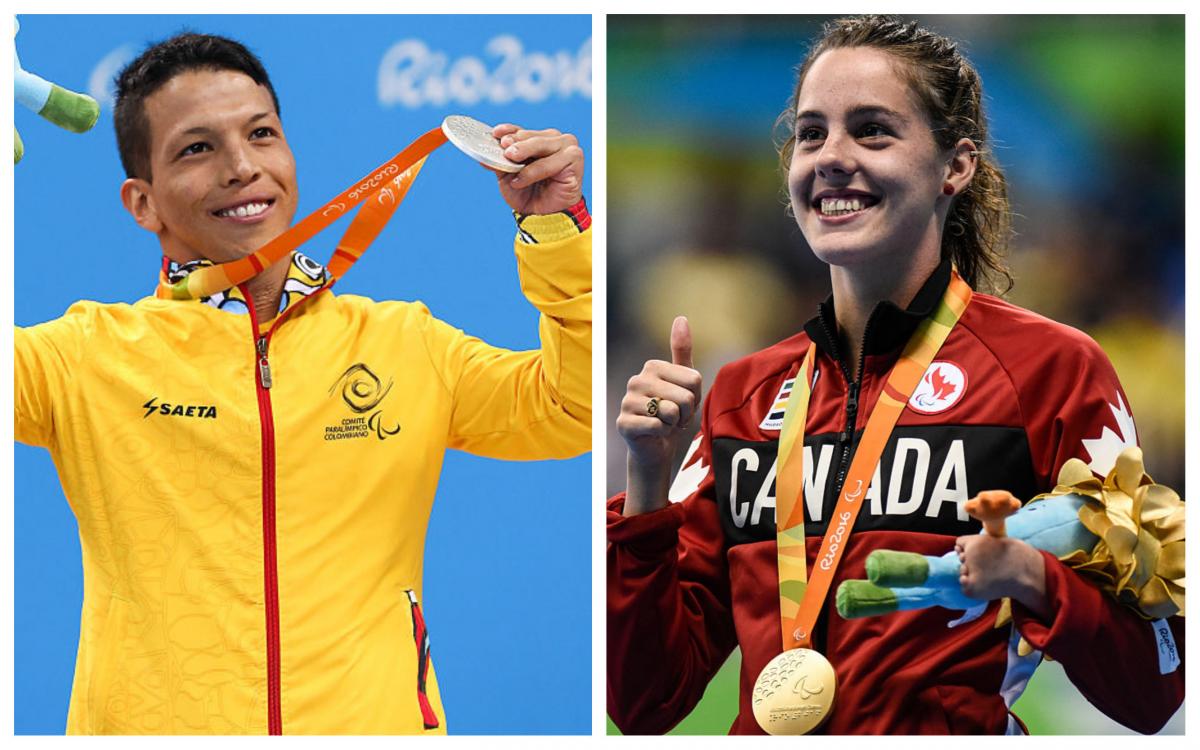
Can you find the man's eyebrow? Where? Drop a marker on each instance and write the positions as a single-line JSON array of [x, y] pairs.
[[205, 130], [859, 111]]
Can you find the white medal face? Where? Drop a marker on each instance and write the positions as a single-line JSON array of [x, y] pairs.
[[475, 139], [941, 387]]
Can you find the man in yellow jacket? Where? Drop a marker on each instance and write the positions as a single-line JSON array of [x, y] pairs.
[[252, 472]]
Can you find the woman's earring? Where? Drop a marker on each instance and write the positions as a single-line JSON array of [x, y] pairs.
[[948, 189]]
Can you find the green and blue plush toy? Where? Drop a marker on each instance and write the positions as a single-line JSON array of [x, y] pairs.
[[66, 109], [1126, 534]]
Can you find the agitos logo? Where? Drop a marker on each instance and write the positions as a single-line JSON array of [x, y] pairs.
[[178, 410], [362, 391]]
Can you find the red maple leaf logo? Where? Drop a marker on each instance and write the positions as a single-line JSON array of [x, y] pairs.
[[942, 388]]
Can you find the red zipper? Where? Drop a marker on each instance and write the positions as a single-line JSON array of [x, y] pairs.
[[262, 382]]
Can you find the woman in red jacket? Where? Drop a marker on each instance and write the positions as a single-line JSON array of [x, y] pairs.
[[892, 184]]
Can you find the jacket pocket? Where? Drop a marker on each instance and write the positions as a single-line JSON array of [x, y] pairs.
[[105, 665], [421, 643]]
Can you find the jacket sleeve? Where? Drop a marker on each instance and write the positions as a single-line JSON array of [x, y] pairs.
[[670, 625], [45, 358], [1113, 656], [530, 404], [1109, 652]]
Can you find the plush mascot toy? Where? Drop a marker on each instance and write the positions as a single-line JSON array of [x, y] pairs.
[[66, 109], [1125, 533]]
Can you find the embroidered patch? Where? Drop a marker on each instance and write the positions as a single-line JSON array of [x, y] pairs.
[[941, 387], [774, 418]]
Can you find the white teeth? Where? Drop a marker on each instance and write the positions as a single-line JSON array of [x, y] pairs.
[[840, 206], [249, 209]]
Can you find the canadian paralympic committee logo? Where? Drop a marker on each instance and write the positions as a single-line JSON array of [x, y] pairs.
[[362, 391], [941, 387]]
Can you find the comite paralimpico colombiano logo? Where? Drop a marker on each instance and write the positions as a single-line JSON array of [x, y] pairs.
[[363, 392]]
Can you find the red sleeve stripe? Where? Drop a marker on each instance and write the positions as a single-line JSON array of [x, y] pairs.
[[579, 214]]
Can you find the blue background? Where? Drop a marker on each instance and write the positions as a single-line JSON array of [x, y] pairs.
[[507, 574]]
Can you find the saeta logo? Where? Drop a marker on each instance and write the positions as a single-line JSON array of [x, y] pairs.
[[195, 411]]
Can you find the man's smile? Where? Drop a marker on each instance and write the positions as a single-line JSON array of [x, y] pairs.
[[249, 211]]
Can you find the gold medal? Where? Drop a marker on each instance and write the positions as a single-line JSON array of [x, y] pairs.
[[794, 692]]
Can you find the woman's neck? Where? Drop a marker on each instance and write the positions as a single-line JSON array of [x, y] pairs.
[[856, 292]]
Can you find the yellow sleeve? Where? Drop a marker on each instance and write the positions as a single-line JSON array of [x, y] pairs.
[[532, 404], [44, 358]]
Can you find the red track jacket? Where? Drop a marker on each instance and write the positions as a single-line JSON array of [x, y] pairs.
[[1010, 397]]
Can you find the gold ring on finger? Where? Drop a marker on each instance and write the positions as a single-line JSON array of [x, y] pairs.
[[652, 406]]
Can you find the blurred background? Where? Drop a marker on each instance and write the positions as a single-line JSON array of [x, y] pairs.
[[1087, 120], [506, 539]]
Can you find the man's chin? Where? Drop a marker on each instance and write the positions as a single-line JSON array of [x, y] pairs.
[[229, 243], [237, 250], [225, 256]]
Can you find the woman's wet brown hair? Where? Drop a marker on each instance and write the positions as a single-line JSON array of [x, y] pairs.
[[979, 225]]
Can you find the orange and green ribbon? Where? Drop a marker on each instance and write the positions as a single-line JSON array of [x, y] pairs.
[[801, 599]]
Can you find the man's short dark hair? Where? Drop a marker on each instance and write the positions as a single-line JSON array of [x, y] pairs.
[[157, 65]]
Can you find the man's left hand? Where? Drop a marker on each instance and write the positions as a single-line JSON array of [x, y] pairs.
[[996, 567], [552, 179]]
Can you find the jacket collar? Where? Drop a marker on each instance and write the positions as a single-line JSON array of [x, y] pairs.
[[305, 276], [888, 327]]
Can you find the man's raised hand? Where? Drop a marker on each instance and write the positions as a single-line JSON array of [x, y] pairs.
[[552, 179]]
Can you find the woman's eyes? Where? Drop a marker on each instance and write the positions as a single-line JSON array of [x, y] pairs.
[[870, 130], [263, 132]]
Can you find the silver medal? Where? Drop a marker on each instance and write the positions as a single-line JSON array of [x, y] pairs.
[[475, 139]]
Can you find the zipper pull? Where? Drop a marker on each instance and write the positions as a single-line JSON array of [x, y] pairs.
[[264, 367], [847, 435]]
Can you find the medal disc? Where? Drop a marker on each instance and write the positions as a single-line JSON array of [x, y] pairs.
[[794, 692], [475, 139]]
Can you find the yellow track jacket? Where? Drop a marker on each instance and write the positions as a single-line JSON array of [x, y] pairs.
[[252, 504]]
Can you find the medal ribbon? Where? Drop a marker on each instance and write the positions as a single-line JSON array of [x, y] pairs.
[[388, 184], [800, 600]]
